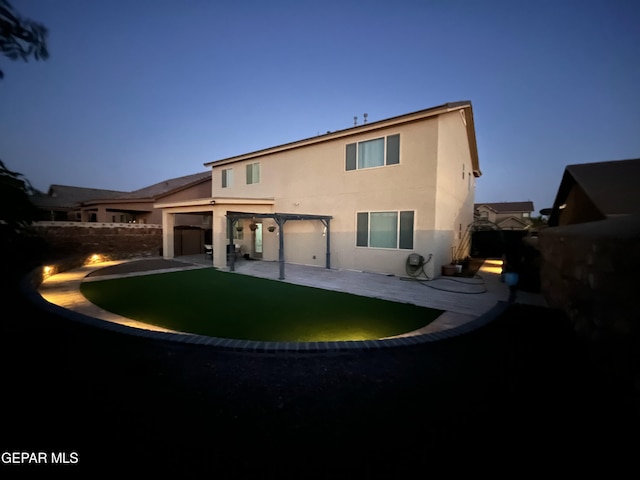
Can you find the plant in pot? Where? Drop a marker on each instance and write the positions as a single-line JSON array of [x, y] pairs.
[[451, 268], [253, 226], [271, 228]]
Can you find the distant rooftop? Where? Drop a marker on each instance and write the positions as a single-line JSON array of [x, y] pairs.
[[508, 207], [67, 197], [166, 186], [611, 186]]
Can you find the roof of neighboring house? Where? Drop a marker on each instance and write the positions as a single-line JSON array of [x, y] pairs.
[[463, 106], [507, 207], [162, 189], [612, 186], [511, 222], [65, 196]]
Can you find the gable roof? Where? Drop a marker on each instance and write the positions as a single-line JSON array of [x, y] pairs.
[[612, 186], [507, 207], [510, 222], [464, 106]]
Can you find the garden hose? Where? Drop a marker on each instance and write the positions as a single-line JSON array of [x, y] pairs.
[[414, 266]]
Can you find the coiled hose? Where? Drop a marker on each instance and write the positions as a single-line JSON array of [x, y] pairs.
[[415, 264]]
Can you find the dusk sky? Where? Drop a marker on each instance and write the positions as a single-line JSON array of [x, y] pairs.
[[140, 91]]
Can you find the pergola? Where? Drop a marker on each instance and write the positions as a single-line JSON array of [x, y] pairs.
[[280, 219]]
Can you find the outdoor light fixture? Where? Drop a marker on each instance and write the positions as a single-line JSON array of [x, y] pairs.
[[492, 266], [47, 271], [95, 258]]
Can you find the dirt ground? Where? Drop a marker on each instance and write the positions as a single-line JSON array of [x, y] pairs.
[[521, 393]]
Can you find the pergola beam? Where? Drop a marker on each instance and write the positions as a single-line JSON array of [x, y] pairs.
[[280, 219]]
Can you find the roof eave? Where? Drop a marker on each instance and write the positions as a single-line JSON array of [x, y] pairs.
[[406, 118]]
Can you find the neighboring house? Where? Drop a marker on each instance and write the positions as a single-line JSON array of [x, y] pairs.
[[62, 202], [505, 215], [67, 203], [138, 206], [596, 191], [363, 198], [87, 206], [591, 259]]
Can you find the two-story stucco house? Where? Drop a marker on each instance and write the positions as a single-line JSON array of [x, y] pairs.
[[363, 198], [506, 215]]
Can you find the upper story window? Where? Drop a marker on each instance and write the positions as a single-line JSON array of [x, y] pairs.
[[253, 173], [526, 215], [373, 153], [227, 177]]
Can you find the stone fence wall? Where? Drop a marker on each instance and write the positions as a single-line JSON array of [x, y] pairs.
[[591, 272], [115, 240]]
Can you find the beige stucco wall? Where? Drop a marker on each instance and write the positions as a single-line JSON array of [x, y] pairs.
[[201, 190], [107, 211], [455, 192], [313, 180]]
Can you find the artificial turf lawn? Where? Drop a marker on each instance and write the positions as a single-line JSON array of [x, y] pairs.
[[228, 305]]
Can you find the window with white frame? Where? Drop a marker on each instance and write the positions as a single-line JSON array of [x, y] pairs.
[[227, 177], [393, 229], [373, 153], [253, 173]]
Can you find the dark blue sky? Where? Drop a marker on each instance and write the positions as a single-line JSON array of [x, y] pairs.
[[140, 91]]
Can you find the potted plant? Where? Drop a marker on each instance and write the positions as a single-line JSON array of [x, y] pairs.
[[253, 226], [239, 228], [272, 228], [449, 270]]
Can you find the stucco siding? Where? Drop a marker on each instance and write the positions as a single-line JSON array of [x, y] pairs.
[[431, 176], [314, 180], [200, 190], [455, 188]]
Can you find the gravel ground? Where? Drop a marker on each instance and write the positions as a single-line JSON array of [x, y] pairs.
[[522, 392]]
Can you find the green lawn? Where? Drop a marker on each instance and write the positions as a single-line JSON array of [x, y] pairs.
[[227, 305]]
